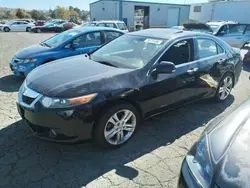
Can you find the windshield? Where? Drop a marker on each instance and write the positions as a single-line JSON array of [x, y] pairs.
[[60, 38], [214, 27], [128, 51], [122, 26]]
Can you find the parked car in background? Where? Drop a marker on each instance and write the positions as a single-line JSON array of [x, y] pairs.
[[53, 26], [220, 158], [135, 76], [233, 33], [192, 25], [17, 26], [108, 23], [245, 52], [26, 20], [68, 25], [39, 23], [69, 43]]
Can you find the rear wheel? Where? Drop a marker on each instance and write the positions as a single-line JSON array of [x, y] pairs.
[[6, 29], [28, 29], [38, 30], [116, 126], [225, 87]]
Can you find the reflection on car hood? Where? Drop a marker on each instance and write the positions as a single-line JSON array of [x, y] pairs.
[[230, 144], [76, 76], [235, 165], [31, 51]]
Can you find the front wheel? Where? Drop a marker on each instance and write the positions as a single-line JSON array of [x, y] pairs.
[[116, 126], [6, 29], [225, 87], [38, 30]]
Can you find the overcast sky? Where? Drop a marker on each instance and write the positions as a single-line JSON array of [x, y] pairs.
[[82, 4]]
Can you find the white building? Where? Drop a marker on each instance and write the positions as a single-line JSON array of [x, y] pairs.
[[221, 10], [156, 13]]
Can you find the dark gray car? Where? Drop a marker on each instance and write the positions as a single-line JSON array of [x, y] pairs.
[[221, 157]]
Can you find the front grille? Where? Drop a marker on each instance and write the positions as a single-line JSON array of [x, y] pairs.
[[28, 100]]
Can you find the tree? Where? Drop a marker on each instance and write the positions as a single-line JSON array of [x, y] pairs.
[[20, 13], [84, 15], [61, 13], [37, 15]]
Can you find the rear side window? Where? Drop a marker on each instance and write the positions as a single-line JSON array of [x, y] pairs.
[[112, 25], [121, 26], [101, 25], [236, 29], [110, 35], [208, 48]]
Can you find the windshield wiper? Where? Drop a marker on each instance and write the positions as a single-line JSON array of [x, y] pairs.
[[107, 63]]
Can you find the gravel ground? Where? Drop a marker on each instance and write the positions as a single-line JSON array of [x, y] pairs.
[[151, 159]]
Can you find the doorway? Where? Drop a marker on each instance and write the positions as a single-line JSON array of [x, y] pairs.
[[141, 18], [173, 17]]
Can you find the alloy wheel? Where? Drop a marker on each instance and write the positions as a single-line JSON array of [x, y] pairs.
[[226, 87], [120, 127]]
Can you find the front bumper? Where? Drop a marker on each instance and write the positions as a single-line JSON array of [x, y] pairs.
[[59, 126], [20, 69]]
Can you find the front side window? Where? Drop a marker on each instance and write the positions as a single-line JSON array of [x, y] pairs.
[[247, 32], [236, 29], [110, 35], [61, 38], [208, 48], [179, 53], [101, 25], [89, 39], [129, 51]]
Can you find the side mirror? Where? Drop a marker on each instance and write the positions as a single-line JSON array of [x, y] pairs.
[[164, 67], [75, 46]]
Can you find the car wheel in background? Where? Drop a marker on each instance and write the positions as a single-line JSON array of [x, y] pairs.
[[38, 30], [116, 126], [28, 29], [225, 87], [6, 29]]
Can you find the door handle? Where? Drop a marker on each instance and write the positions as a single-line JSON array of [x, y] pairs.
[[192, 71]]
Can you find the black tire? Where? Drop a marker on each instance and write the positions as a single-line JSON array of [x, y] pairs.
[[102, 124], [38, 30], [218, 96], [28, 29], [6, 29]]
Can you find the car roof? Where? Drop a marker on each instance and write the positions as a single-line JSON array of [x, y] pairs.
[[165, 33], [107, 21], [89, 29]]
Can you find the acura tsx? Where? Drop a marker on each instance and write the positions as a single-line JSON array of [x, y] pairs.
[[104, 96]]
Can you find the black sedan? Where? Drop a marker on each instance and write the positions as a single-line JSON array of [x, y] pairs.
[[220, 159], [138, 75]]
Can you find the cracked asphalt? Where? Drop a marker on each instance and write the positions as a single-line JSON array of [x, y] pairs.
[[151, 159]]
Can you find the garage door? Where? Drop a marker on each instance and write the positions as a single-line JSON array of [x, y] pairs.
[[173, 17]]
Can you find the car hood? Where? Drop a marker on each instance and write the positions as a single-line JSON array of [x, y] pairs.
[[235, 165], [31, 51], [77, 76], [229, 140]]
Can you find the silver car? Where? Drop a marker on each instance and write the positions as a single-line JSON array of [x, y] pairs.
[[233, 33]]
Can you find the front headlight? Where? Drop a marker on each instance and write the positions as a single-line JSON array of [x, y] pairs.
[[199, 162], [48, 102], [29, 60], [203, 158]]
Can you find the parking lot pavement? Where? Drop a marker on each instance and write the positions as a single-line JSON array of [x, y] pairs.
[[151, 159]]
